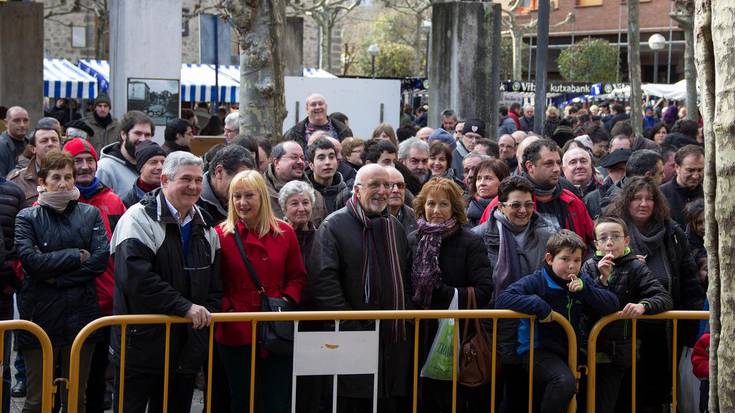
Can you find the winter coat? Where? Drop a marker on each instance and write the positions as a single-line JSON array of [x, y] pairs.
[[12, 200], [278, 264], [59, 292], [678, 197], [512, 115], [407, 217], [209, 202], [539, 294], [9, 153], [348, 171], [103, 135], [111, 209], [463, 263], [133, 196], [115, 171], [458, 155], [335, 267], [27, 179], [526, 124], [507, 126], [153, 276], [329, 193], [298, 132], [632, 282], [475, 209], [700, 357], [579, 220], [274, 185], [531, 257], [172, 146]]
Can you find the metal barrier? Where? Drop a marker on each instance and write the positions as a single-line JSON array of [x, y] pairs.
[[674, 316], [255, 318], [48, 388]]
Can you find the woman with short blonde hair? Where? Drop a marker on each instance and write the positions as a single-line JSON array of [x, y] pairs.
[[271, 246]]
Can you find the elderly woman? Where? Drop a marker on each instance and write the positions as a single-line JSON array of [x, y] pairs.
[[484, 187], [62, 245], [273, 249], [655, 238], [296, 199], [442, 239], [515, 238]]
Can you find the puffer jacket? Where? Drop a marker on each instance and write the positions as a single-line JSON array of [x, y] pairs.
[[632, 282], [59, 292], [329, 193], [153, 276], [12, 200], [298, 132]]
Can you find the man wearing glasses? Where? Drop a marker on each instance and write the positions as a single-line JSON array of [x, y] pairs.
[[397, 200], [358, 262]]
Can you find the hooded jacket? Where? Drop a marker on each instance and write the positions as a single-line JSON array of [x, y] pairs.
[[154, 276], [632, 282], [114, 171], [329, 193]]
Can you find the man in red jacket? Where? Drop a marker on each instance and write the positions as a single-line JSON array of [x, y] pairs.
[[557, 205], [111, 207]]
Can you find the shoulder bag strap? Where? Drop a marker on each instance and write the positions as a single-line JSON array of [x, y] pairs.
[[248, 264]]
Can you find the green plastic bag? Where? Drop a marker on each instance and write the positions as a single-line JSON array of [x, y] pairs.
[[438, 365]]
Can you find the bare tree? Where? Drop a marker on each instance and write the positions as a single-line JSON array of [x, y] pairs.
[[419, 10], [713, 22], [634, 67], [684, 15], [516, 30], [97, 8], [325, 13], [260, 27]]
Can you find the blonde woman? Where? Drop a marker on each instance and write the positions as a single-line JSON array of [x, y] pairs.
[[271, 246]]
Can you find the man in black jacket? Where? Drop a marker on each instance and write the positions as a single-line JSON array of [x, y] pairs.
[[357, 249], [225, 164], [323, 175], [316, 120], [166, 262], [687, 183]]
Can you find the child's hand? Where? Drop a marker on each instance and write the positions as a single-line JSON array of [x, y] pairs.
[[632, 310], [575, 284], [605, 267]]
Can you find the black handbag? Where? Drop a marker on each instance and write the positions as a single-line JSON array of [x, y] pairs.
[[274, 336]]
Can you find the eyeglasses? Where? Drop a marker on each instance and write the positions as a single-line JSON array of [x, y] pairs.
[[517, 205], [613, 238], [377, 185], [399, 185]]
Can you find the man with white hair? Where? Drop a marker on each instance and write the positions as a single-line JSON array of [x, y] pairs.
[[527, 119], [232, 129], [424, 133], [414, 154], [166, 262], [317, 120], [577, 168]]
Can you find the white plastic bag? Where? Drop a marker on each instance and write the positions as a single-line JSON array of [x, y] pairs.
[[439, 361], [688, 383]]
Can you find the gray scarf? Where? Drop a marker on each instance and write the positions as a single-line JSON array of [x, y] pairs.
[[650, 242], [59, 200]]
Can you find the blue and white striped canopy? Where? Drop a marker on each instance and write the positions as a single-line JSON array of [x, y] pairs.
[[198, 85], [100, 69], [61, 79]]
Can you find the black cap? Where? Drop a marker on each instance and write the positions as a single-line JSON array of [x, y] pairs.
[[145, 151], [615, 157], [475, 126], [81, 125]]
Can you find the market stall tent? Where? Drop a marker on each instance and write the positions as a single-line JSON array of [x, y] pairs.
[[61, 79]]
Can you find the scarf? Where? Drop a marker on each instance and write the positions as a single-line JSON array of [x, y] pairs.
[[543, 190], [508, 268], [58, 201], [373, 254], [103, 121], [425, 273], [311, 128], [477, 208], [650, 242], [88, 191], [145, 187]]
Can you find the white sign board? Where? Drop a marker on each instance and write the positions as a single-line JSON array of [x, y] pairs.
[[359, 99]]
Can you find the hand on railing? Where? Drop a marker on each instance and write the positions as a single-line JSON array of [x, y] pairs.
[[200, 316]]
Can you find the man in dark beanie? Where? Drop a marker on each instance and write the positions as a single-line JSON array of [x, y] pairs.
[[178, 135], [149, 157], [78, 129], [473, 130], [101, 121]]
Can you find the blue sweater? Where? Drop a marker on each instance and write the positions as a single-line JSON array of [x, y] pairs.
[[539, 294]]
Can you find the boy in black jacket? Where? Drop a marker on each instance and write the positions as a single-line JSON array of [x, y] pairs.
[[559, 287], [616, 269]]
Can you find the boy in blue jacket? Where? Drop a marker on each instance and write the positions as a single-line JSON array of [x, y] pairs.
[[559, 287]]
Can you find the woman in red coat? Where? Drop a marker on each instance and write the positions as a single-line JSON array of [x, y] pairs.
[[273, 249]]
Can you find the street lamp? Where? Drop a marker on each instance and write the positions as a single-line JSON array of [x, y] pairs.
[[656, 42], [373, 50]]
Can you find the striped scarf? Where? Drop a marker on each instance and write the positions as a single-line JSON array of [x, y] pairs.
[[373, 253]]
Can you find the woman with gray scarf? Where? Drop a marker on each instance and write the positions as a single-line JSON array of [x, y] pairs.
[[515, 238], [662, 244]]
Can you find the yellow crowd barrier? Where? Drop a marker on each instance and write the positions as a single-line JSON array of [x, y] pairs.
[[48, 387], [673, 316], [255, 318]]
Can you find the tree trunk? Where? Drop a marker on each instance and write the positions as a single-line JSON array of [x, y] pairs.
[[716, 73], [517, 39], [634, 67], [328, 46], [260, 25], [690, 73]]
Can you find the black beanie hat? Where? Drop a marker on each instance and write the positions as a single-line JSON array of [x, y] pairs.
[[475, 126], [145, 151]]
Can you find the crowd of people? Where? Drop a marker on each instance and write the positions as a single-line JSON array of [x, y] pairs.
[[586, 219]]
